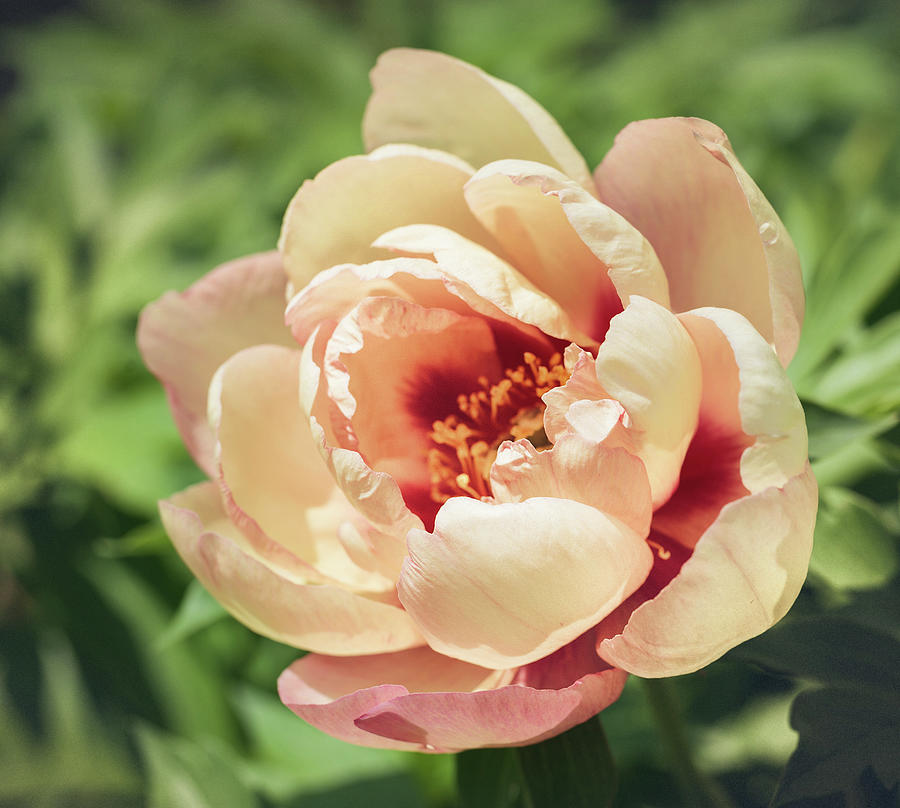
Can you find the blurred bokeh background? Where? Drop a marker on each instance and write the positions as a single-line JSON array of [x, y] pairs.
[[143, 142]]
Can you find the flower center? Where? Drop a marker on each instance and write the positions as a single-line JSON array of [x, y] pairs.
[[466, 441]]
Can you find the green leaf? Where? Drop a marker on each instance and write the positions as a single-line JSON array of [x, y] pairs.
[[831, 431], [183, 774], [574, 769], [854, 546], [197, 610], [846, 736]]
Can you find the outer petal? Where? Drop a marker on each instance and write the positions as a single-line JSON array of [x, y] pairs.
[[743, 576], [185, 337], [500, 585], [720, 242], [334, 218], [435, 100], [345, 698], [326, 619], [277, 487], [648, 363], [579, 251]]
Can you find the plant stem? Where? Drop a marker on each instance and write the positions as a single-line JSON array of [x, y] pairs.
[[697, 789]]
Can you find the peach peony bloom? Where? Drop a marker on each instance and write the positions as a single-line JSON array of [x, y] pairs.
[[519, 431]]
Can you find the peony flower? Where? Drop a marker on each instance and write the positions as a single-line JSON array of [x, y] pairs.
[[519, 431]]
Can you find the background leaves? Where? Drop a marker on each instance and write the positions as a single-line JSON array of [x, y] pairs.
[[143, 143]]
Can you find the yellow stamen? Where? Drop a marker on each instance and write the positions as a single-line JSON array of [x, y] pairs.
[[661, 551]]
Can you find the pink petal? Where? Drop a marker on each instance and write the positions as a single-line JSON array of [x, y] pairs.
[[576, 249], [721, 244], [323, 618], [501, 585], [743, 576], [649, 364], [334, 218], [436, 704], [607, 478], [581, 386], [185, 337], [437, 101]]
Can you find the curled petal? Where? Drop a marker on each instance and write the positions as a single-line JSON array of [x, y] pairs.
[[576, 249], [721, 244], [436, 704], [501, 585], [324, 618], [334, 218], [475, 274], [437, 101], [743, 576], [649, 364], [594, 472], [184, 337]]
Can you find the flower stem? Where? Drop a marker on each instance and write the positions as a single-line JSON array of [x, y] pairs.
[[697, 789]]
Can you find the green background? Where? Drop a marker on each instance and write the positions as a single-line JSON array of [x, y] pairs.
[[142, 143]]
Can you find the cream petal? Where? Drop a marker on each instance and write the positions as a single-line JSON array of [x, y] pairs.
[[501, 585], [743, 576], [326, 619], [607, 478], [476, 274], [334, 218], [277, 486], [678, 182], [437, 101], [576, 249], [184, 337], [423, 701], [649, 364]]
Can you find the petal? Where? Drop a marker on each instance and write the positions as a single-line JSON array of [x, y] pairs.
[[649, 364], [581, 386], [437, 101], [326, 619], [394, 368], [334, 218], [440, 704], [277, 487], [607, 478], [743, 576], [476, 275], [677, 181], [770, 412], [500, 585], [576, 249], [184, 337]]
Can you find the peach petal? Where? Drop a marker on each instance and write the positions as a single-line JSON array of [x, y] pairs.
[[437, 101], [743, 576], [276, 485], [394, 368], [501, 585], [576, 249], [581, 386], [770, 412], [184, 337], [678, 182], [334, 218], [475, 274], [436, 704], [649, 364], [594, 472], [323, 618]]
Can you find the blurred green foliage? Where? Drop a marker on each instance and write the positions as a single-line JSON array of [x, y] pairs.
[[142, 143]]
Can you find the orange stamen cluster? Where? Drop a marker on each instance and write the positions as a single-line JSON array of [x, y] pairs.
[[466, 441]]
